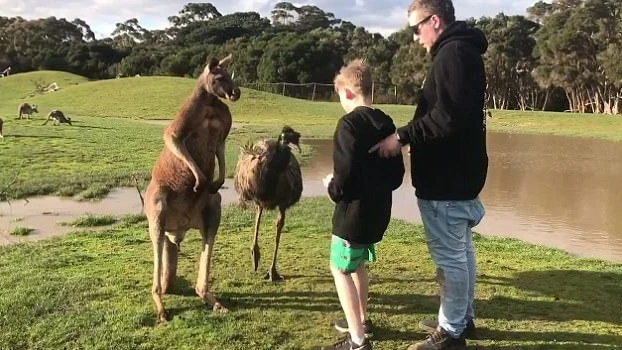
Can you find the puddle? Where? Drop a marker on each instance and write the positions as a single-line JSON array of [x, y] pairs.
[[556, 191]]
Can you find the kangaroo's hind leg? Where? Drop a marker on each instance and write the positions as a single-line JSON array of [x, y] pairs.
[[209, 227]]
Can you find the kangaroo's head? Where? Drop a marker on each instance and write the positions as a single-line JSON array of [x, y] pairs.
[[68, 120], [290, 137], [217, 80], [34, 109]]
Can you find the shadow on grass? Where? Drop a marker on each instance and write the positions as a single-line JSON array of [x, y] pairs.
[[572, 295], [17, 136], [89, 126], [567, 337], [183, 287], [543, 347]]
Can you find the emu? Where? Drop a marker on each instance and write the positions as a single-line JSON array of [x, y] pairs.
[[58, 117], [183, 193], [26, 109], [268, 175]]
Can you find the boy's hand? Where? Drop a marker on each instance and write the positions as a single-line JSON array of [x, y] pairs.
[[326, 180], [389, 147]]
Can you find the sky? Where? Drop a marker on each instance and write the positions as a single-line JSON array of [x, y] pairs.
[[381, 16]]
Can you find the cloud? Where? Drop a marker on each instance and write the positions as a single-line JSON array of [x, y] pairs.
[[383, 16]]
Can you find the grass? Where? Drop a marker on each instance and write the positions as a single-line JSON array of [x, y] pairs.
[[92, 291], [92, 221], [113, 139], [21, 231]]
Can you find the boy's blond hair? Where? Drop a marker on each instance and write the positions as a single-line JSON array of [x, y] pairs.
[[355, 76]]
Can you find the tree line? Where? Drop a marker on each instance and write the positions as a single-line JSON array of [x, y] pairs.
[[562, 56]]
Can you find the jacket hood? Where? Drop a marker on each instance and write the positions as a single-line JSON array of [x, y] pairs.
[[460, 31], [377, 118]]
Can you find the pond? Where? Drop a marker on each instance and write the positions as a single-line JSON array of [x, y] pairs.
[[556, 191]]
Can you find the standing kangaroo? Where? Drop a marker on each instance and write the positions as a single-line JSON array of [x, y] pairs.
[[26, 109], [58, 117], [182, 193]]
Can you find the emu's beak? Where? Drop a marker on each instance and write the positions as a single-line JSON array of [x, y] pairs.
[[296, 147]]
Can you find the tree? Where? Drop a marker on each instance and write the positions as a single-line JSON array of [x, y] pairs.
[[194, 12]]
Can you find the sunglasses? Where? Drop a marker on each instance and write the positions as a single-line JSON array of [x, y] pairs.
[[415, 28]]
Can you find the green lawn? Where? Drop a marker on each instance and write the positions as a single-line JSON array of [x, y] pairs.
[[91, 290]]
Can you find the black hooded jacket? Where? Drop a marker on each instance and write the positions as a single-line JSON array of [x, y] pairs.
[[363, 182], [447, 135]]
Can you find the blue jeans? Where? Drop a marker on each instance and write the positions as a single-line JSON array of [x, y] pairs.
[[450, 243]]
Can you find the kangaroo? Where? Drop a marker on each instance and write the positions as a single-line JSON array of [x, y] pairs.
[[26, 109], [182, 193], [1, 122], [58, 117]]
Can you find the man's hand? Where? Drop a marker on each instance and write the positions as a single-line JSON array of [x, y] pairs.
[[389, 147]]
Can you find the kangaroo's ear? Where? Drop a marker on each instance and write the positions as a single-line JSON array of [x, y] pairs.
[[213, 63], [223, 63]]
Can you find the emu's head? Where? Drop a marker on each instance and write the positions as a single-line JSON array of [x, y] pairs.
[[217, 80], [290, 137]]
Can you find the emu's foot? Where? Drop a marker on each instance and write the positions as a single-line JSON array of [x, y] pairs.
[[162, 316], [255, 255], [273, 276]]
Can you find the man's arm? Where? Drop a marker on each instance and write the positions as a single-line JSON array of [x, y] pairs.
[[453, 100]]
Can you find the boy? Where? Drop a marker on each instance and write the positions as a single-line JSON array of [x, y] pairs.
[[361, 188]]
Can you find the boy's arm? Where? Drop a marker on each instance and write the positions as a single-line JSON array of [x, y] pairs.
[[343, 158], [396, 171]]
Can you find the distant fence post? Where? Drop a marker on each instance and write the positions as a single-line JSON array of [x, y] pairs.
[[313, 94], [372, 91], [395, 101], [283, 89]]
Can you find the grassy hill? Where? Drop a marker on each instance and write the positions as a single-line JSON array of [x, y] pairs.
[[18, 87], [111, 138]]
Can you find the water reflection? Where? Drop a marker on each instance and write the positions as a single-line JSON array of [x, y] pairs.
[[558, 191]]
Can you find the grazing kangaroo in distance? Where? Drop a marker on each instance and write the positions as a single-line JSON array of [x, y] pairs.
[[58, 117], [182, 193], [26, 109]]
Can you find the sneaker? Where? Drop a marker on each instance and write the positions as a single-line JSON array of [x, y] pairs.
[[368, 328], [431, 325], [440, 340], [347, 344]]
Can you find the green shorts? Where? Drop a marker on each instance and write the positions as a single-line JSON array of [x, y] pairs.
[[347, 257]]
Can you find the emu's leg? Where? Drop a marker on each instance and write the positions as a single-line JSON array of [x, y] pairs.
[[170, 252], [272, 275], [155, 215], [211, 221], [255, 250]]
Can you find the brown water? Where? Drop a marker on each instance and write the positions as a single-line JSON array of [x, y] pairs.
[[557, 191]]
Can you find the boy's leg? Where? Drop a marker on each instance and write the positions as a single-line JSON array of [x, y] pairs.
[[347, 259], [361, 281], [349, 300]]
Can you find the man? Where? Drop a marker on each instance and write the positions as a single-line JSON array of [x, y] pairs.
[[447, 139]]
